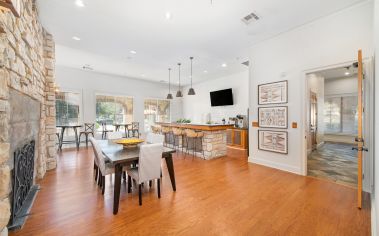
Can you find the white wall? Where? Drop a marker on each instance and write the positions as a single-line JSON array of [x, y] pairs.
[[90, 83], [328, 41], [375, 196], [196, 107], [341, 86]]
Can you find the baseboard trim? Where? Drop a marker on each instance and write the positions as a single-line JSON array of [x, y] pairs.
[[275, 165], [374, 229]]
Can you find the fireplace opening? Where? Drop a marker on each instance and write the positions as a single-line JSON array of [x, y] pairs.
[[24, 190]]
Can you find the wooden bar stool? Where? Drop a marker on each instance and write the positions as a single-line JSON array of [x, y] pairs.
[[166, 131], [190, 137], [178, 134], [199, 137]]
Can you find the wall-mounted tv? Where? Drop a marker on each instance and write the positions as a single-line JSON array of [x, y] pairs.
[[222, 98]]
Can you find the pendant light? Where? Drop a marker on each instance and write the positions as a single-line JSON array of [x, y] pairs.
[[191, 91], [179, 94], [169, 95]]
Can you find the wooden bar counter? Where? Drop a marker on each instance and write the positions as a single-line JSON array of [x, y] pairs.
[[214, 139]]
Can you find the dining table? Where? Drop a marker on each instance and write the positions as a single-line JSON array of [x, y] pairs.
[[63, 129], [121, 156]]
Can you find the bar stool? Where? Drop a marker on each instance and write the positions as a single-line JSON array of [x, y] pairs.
[[166, 131], [155, 129], [199, 137], [190, 137], [177, 134]]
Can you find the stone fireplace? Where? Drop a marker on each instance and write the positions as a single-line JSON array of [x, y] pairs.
[[27, 98]]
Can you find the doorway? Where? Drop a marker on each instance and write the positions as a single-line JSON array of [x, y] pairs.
[[333, 125]]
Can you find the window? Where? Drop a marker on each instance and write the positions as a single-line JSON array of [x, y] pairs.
[[113, 110], [156, 111], [341, 115], [67, 108]]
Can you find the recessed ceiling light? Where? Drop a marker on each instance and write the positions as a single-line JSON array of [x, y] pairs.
[[347, 73], [205, 71], [168, 15], [79, 3], [224, 65], [76, 38], [143, 75], [133, 52]]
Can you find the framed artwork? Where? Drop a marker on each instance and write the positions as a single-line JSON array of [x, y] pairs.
[[273, 117], [273, 141], [273, 93]]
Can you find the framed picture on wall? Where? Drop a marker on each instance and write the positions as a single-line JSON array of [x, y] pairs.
[[273, 93], [273, 117], [273, 141]]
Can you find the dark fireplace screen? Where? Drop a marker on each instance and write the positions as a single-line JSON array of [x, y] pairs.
[[22, 177]]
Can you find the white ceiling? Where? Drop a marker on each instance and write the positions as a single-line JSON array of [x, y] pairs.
[[339, 73], [213, 33]]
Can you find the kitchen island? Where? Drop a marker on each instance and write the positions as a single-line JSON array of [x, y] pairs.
[[214, 139]]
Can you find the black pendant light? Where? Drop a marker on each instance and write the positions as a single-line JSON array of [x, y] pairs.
[[179, 94], [169, 95], [191, 91]]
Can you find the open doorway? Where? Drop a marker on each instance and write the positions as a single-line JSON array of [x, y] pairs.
[[332, 125]]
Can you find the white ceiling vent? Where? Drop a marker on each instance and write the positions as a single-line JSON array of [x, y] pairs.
[[87, 67], [252, 17]]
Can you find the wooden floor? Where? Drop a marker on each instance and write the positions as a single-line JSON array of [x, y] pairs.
[[226, 196]]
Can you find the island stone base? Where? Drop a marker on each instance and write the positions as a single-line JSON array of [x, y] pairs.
[[213, 145]]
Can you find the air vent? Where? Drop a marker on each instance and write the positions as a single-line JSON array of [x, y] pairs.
[[246, 63], [87, 67], [250, 18]]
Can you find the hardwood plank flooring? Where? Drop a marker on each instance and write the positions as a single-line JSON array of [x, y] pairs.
[[225, 196]]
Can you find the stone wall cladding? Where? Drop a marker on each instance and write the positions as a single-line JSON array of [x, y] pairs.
[[27, 59], [214, 144]]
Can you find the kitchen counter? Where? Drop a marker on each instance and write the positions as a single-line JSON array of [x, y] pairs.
[[213, 142], [202, 127]]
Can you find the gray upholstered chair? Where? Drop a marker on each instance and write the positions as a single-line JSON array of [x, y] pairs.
[[149, 167], [154, 138], [115, 135], [104, 168]]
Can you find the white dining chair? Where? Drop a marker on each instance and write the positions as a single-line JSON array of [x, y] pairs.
[[115, 135], [104, 168], [154, 138], [149, 167]]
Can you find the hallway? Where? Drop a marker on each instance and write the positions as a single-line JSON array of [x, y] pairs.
[[336, 162]]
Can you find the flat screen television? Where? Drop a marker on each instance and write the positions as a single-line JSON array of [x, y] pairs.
[[222, 98]]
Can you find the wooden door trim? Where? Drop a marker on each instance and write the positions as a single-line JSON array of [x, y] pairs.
[[360, 134]]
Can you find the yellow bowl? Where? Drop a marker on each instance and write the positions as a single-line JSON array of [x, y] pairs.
[[129, 141]]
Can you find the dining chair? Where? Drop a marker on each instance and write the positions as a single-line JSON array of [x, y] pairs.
[[89, 128], [105, 130], [154, 138], [95, 159], [115, 135], [134, 130], [104, 168], [149, 168]]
